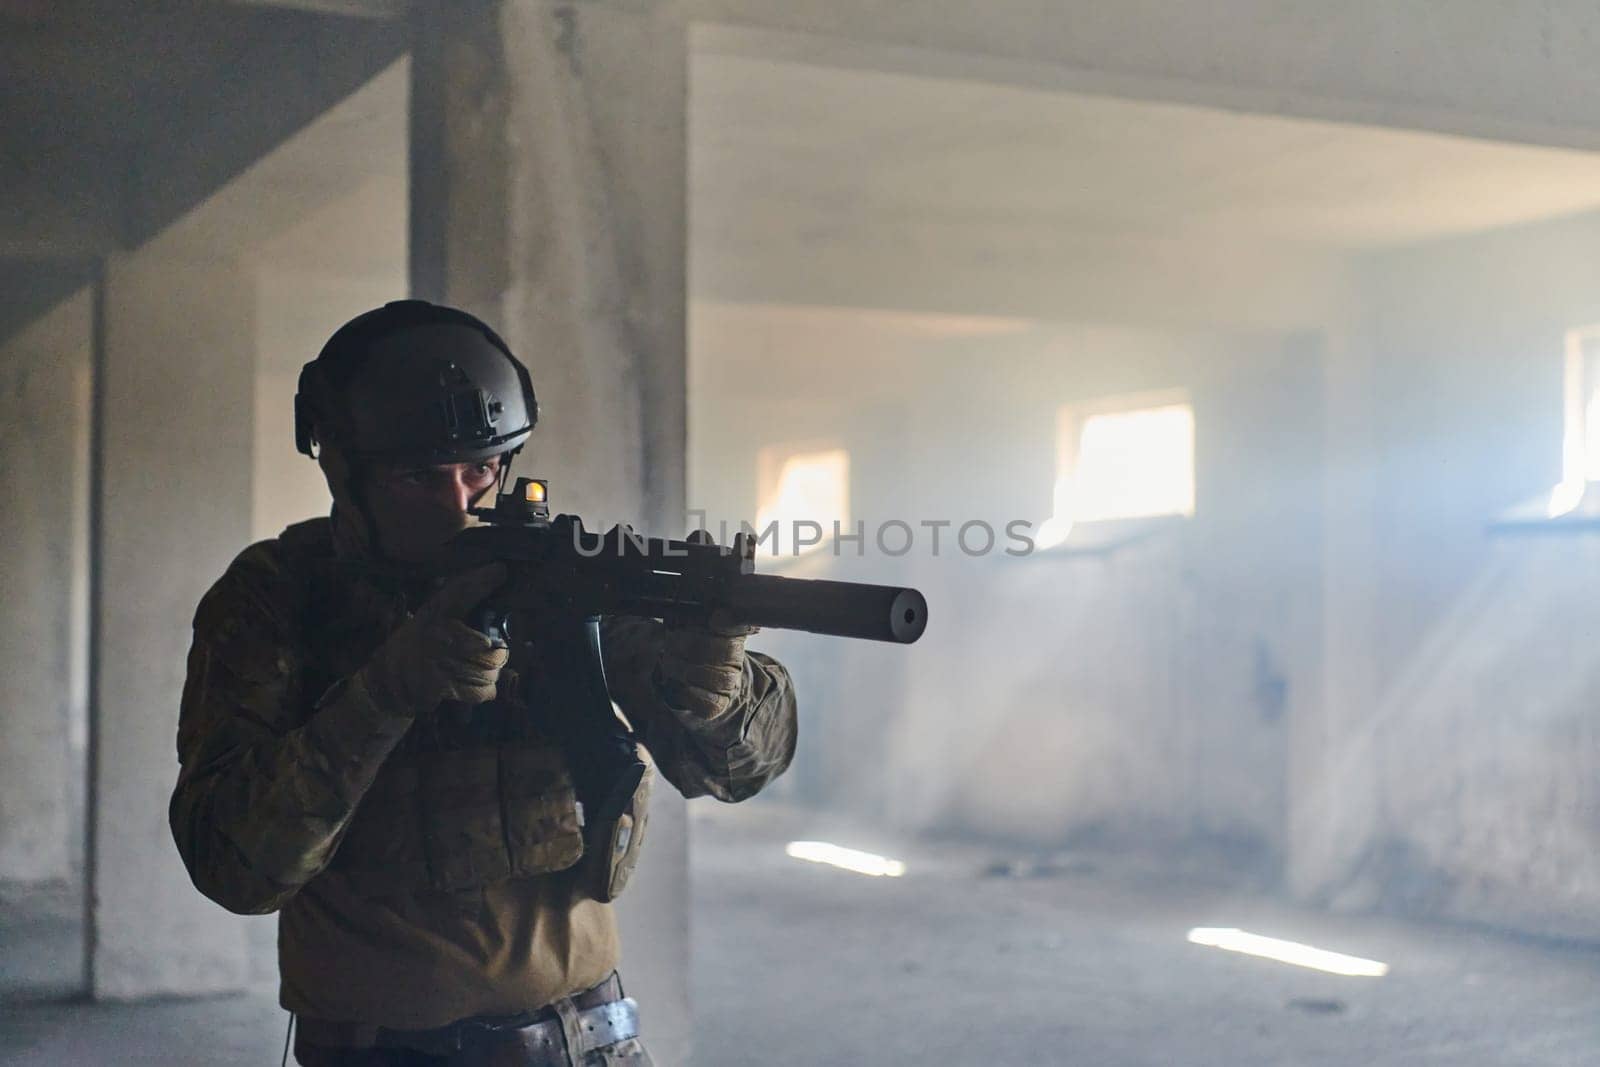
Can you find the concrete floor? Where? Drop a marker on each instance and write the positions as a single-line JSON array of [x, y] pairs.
[[1084, 961], [1081, 960]]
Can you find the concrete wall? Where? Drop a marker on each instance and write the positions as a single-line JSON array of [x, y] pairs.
[[1468, 771], [44, 453], [1144, 695], [1427, 400], [1333, 665]]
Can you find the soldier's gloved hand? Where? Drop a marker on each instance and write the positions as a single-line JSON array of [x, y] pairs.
[[701, 669], [434, 656]]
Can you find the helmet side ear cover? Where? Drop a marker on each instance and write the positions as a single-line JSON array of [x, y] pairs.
[[416, 383]]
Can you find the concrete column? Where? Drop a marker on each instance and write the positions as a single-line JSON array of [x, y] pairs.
[[44, 434], [176, 366], [1332, 768], [548, 191]]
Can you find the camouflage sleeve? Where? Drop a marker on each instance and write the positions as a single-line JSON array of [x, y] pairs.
[[266, 788], [730, 757]]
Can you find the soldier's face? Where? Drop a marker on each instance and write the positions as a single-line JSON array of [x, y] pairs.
[[417, 509]]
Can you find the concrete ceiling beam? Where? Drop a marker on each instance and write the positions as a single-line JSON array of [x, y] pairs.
[[62, 198], [269, 94], [1493, 70], [76, 189]]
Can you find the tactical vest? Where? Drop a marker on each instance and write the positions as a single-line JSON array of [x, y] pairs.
[[470, 795]]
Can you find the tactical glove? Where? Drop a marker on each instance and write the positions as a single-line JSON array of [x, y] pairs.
[[701, 669], [434, 656]]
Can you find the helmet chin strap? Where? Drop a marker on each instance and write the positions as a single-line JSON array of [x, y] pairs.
[[505, 467], [344, 482]]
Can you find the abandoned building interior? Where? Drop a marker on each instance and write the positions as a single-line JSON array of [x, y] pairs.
[[1226, 375]]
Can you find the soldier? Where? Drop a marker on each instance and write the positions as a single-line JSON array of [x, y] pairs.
[[360, 760]]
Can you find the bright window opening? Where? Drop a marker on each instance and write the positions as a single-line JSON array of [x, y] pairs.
[[799, 488], [1130, 459], [1580, 444]]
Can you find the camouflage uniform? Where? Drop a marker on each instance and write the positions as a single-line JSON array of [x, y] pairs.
[[430, 869]]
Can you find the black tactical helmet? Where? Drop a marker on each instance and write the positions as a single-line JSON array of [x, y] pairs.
[[414, 382]]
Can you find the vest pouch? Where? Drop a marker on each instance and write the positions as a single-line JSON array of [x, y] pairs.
[[448, 821], [613, 846]]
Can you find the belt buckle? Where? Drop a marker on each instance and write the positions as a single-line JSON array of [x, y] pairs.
[[544, 1042], [609, 1023]]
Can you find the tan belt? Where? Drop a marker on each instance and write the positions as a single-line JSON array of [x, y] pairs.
[[570, 1027]]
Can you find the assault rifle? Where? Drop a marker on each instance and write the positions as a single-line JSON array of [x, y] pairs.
[[557, 565], [564, 579]]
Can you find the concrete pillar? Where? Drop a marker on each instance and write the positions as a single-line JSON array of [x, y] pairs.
[[44, 435], [1332, 762], [548, 190], [176, 366]]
